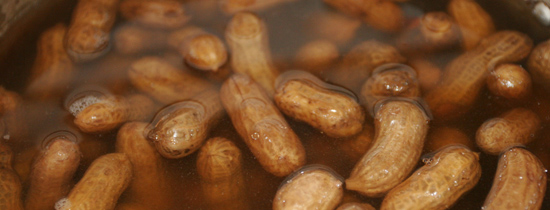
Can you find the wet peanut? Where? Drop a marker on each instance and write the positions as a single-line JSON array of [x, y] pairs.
[[427, 72], [515, 127], [439, 137], [520, 182], [358, 64], [10, 184], [316, 55], [332, 26], [52, 172], [474, 22], [132, 39], [355, 147], [162, 81], [510, 81], [246, 36], [53, 68], [206, 52], [234, 6], [310, 188], [181, 128], [132, 206], [262, 126], [355, 206], [465, 76], [538, 64], [162, 14], [219, 165], [150, 185], [179, 39], [88, 35], [383, 15], [446, 176], [400, 129], [331, 109]]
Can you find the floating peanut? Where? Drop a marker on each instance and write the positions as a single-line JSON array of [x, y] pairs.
[[88, 35], [446, 176], [181, 128], [465, 76], [149, 185], [246, 36], [515, 127], [433, 32], [383, 15], [427, 72], [358, 64], [333, 26], [132, 39], [262, 126], [439, 137], [510, 81], [206, 52], [538, 64], [163, 14], [329, 108], [520, 182], [219, 165], [162, 81], [474, 22], [355, 206], [53, 68], [10, 184], [400, 129], [234, 6], [355, 147], [316, 55], [312, 187], [53, 170], [390, 80]]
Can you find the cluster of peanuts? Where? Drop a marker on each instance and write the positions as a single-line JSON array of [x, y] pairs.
[[386, 106]]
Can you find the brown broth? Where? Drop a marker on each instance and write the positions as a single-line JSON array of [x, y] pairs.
[[286, 34]]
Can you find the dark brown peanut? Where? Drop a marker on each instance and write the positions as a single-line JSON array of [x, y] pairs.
[[474, 22], [510, 81], [433, 32], [163, 14], [10, 184], [439, 137], [538, 64]]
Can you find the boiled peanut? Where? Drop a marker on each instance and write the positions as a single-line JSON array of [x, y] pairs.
[[53, 68], [474, 22], [331, 109], [10, 184], [162, 81], [400, 129], [446, 176], [332, 26], [101, 185], [316, 55], [181, 128], [383, 15], [163, 14], [465, 76], [520, 182], [52, 172], [510, 81], [262, 126], [427, 72], [246, 36], [149, 185], [132, 39], [538, 64], [433, 32], [355, 147], [515, 127], [310, 188], [206, 52], [234, 6], [439, 137], [355, 206], [179, 39], [88, 35]]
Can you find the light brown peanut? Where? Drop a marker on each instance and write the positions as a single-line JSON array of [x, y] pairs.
[[162, 81], [332, 26], [246, 36], [433, 32], [538, 64], [312, 187], [519, 183], [262, 126], [219, 165], [101, 185], [316, 55], [516, 127], [383, 15], [358, 64], [234, 6], [162, 14], [52, 172], [53, 68], [355, 206], [88, 35], [510, 81], [355, 147], [181, 128], [150, 185], [437, 185], [206, 52], [474, 22], [439, 137], [465, 76], [400, 129], [10, 184], [331, 109], [133, 39], [427, 72]]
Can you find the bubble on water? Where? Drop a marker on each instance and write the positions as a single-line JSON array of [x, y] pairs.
[[83, 97], [63, 203]]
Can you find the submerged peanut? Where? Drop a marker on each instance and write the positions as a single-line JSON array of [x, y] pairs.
[[10, 185], [355, 147], [465, 76], [329, 108], [206, 52], [332, 26], [133, 39], [316, 55], [520, 182], [474, 22], [538, 64], [163, 14], [440, 137], [400, 129], [510, 81], [355, 206], [180, 129], [446, 176], [262, 126], [234, 6], [316, 187], [427, 72], [514, 128], [433, 32], [383, 15]]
